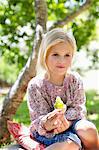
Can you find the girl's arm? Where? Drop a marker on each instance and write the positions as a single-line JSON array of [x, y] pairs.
[[38, 109], [77, 109]]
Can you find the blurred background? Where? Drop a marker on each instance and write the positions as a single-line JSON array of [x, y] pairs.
[[17, 29]]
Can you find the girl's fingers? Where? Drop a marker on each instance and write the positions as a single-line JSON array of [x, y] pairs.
[[64, 121], [54, 113], [56, 131], [57, 120], [57, 123], [52, 123], [62, 125], [60, 129]]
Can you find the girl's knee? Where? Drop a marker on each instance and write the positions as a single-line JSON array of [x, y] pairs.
[[63, 146], [72, 146], [87, 132]]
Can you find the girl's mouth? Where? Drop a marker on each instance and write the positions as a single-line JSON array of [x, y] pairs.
[[60, 66]]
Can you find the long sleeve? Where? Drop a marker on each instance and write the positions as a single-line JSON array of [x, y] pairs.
[[38, 108], [77, 109]]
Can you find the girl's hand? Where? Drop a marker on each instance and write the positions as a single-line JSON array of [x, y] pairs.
[[63, 125], [50, 119]]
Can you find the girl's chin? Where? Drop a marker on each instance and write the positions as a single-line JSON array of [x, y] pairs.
[[60, 73]]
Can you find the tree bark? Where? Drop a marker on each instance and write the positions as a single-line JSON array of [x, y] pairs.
[[18, 90], [73, 15]]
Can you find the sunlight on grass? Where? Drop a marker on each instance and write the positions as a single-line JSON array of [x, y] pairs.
[[92, 104], [93, 116]]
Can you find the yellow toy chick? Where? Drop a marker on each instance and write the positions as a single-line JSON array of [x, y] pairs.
[[59, 104]]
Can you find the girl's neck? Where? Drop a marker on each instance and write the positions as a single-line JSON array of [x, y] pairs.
[[57, 80]]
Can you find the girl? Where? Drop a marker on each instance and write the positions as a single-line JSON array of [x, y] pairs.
[[57, 129]]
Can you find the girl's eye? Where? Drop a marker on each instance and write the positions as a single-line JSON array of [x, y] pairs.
[[67, 55], [55, 54]]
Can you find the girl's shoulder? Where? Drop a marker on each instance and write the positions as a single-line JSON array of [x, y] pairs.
[[74, 80], [75, 77], [35, 81]]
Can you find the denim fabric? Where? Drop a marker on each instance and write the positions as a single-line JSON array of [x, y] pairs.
[[68, 134]]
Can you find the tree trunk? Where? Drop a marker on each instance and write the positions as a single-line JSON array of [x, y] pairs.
[[18, 90]]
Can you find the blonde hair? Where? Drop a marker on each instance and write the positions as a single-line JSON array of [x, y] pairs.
[[50, 39]]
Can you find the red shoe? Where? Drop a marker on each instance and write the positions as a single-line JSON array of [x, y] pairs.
[[21, 134]]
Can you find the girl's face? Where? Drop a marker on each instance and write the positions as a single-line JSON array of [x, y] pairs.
[[59, 58]]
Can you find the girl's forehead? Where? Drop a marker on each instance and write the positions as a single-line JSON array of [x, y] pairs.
[[61, 46]]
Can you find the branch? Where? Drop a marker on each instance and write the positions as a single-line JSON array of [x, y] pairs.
[[71, 16]]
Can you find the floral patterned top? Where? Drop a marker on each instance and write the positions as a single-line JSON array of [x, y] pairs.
[[41, 95]]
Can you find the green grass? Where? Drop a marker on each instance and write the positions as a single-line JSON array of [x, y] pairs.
[[93, 107], [22, 114]]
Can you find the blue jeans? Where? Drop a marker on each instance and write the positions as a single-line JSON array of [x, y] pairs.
[[61, 137]]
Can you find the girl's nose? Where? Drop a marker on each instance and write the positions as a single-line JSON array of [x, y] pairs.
[[62, 59]]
